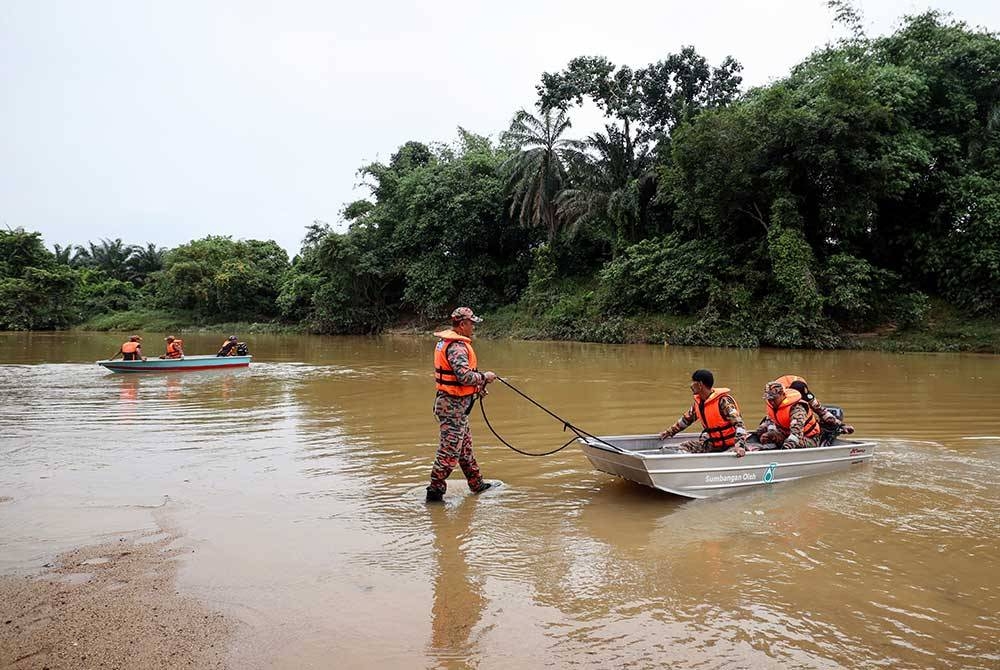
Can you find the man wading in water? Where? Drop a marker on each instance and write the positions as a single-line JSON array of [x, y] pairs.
[[458, 384]]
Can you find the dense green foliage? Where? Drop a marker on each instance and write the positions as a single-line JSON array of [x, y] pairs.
[[860, 193]]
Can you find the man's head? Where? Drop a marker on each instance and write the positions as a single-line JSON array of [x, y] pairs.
[[135, 338], [801, 387], [774, 393], [702, 381], [169, 338], [464, 321], [232, 338]]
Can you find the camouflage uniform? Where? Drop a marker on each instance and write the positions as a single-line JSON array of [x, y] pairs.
[[455, 447], [728, 410], [794, 438]]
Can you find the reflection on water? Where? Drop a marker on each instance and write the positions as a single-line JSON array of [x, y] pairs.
[[299, 481]]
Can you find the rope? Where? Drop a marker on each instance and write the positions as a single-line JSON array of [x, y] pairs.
[[579, 432]]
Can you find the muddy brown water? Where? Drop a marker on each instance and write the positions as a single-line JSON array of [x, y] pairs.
[[299, 484]]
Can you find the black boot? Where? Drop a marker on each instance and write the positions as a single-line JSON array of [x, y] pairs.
[[433, 495], [483, 487]]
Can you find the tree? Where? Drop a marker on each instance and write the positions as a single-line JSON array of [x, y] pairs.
[[537, 172]]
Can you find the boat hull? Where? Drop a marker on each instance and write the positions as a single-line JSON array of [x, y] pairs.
[[186, 364], [639, 458]]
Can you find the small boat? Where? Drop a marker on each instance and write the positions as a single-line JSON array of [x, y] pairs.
[[184, 364], [648, 460]]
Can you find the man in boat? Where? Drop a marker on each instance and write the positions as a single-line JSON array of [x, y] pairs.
[[228, 347], [790, 422], [458, 383], [826, 417], [722, 424], [131, 350], [175, 347]]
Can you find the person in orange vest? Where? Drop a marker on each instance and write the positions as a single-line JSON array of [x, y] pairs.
[[790, 422], [826, 417], [175, 347], [131, 350], [716, 409], [458, 382], [228, 347]]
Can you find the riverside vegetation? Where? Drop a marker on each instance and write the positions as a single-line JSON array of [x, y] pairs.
[[853, 203]]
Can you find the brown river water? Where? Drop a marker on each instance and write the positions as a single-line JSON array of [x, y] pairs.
[[299, 482]]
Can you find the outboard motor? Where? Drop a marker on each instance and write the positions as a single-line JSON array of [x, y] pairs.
[[828, 435], [242, 349]]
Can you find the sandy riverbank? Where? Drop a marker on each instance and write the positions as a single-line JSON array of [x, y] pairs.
[[111, 605]]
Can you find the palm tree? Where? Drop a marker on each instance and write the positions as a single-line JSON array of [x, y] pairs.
[[537, 172], [144, 261], [611, 175], [111, 257], [64, 255]]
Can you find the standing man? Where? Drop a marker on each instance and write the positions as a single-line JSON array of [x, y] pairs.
[[458, 383], [790, 422], [719, 415]]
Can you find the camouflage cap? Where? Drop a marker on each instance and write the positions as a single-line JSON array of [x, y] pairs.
[[463, 313], [773, 390], [135, 338], [232, 338]]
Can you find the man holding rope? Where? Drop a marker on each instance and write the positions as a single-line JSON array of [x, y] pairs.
[[458, 383]]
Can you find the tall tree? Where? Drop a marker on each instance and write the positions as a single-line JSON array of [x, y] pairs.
[[537, 172]]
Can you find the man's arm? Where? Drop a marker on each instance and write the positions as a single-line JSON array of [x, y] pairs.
[[796, 420], [458, 358], [731, 413], [686, 420]]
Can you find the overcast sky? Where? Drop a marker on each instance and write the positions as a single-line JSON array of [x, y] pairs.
[[168, 121]]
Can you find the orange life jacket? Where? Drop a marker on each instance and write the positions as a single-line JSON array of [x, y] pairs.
[[721, 431], [130, 347], [174, 349], [782, 417], [232, 348], [444, 375], [786, 380]]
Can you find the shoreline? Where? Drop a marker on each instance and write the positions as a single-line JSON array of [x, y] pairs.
[[110, 605]]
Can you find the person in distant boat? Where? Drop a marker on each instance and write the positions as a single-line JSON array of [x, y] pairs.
[[458, 382], [175, 347], [228, 347], [790, 422], [722, 424], [826, 417], [131, 350]]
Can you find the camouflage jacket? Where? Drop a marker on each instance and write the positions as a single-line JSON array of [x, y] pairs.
[[797, 416], [728, 410]]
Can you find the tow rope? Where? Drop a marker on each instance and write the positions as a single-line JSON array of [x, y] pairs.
[[579, 432]]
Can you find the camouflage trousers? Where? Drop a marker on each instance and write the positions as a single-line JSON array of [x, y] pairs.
[[699, 446], [779, 438], [455, 446]]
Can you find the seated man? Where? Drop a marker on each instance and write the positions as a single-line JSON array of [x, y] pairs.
[[719, 415], [790, 422], [131, 350], [830, 422], [228, 347], [175, 347]]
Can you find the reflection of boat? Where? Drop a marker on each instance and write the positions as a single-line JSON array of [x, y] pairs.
[[178, 364], [639, 458]]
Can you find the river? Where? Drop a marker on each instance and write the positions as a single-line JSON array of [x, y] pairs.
[[299, 484]]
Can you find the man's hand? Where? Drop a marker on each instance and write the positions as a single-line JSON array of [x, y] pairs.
[[667, 433], [791, 442], [847, 429], [489, 377], [740, 451]]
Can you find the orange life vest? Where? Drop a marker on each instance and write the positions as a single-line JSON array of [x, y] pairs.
[[174, 349], [444, 375], [130, 347], [721, 431], [232, 348], [786, 380], [782, 417]]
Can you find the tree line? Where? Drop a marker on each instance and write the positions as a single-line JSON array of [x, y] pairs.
[[857, 192]]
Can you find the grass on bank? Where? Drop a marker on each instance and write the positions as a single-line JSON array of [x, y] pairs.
[[154, 320]]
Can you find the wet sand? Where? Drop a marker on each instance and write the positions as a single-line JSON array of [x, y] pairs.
[[111, 605]]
